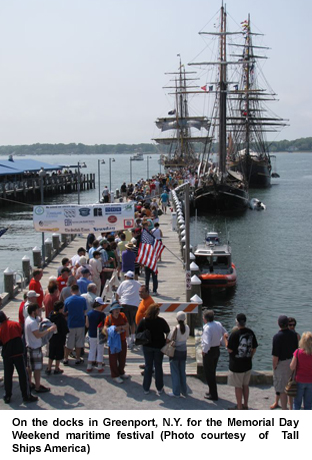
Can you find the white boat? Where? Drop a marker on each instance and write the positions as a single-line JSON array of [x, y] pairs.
[[137, 157]]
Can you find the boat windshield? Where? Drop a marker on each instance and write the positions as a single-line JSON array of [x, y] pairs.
[[208, 264]]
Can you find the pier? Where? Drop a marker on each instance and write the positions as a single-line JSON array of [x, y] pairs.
[[76, 389]]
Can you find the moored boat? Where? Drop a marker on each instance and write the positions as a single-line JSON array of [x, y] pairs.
[[216, 270], [137, 157]]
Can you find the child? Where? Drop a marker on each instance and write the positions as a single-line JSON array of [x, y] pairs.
[[93, 319], [57, 341]]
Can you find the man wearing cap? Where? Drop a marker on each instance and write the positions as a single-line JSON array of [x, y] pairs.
[[285, 342], [84, 281], [213, 333], [128, 294], [76, 307], [32, 297], [241, 345], [13, 356], [34, 343], [35, 285]]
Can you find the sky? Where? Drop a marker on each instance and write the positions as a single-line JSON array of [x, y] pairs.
[[93, 71]]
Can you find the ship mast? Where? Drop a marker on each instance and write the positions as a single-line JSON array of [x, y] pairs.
[[223, 90]]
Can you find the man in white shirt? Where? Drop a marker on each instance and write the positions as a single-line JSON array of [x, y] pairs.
[[129, 297], [212, 336], [34, 343]]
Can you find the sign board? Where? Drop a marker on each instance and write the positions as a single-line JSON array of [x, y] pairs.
[[90, 218]]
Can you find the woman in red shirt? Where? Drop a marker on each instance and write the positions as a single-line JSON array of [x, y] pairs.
[[302, 363]]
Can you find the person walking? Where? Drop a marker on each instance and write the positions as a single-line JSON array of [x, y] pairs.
[[178, 361], [153, 355], [241, 345], [213, 333], [285, 342], [301, 363]]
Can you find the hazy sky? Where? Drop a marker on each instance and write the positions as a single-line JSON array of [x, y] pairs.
[[92, 71]]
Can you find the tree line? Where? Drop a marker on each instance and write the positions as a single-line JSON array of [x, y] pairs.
[[298, 145]]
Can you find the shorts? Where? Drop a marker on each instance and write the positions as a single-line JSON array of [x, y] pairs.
[[239, 379], [281, 375], [56, 351], [130, 311], [75, 338], [34, 359]]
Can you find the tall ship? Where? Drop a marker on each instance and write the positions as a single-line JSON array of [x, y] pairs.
[[250, 118], [220, 189], [183, 146]]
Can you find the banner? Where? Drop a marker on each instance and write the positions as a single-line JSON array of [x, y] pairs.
[[90, 218]]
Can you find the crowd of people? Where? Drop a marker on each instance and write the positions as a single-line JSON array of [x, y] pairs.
[[68, 317]]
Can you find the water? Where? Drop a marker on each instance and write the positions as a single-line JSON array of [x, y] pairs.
[[271, 249]]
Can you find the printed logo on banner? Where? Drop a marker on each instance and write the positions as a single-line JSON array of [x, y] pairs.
[[112, 219], [68, 222], [84, 212], [69, 213], [39, 210], [113, 210], [128, 223]]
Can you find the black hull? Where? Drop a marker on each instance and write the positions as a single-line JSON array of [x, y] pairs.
[[257, 173], [220, 198]]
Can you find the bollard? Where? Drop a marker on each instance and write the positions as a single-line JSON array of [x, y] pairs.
[[195, 321], [192, 257], [26, 268], [63, 239], [56, 242], [72, 236], [48, 249], [37, 257], [9, 282], [194, 268]]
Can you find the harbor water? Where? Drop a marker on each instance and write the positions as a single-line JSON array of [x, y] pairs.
[[271, 249]]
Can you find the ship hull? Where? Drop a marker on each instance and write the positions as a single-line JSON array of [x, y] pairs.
[[257, 172], [221, 198]]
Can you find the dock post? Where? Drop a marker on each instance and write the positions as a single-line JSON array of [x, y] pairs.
[[64, 238], [48, 249], [26, 268], [9, 282], [37, 257], [56, 242]]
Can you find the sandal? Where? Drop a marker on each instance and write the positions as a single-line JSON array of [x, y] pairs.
[[42, 389]]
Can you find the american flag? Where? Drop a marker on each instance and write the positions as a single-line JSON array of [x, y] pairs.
[[150, 251]]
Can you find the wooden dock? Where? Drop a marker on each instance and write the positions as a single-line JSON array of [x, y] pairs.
[[171, 288]]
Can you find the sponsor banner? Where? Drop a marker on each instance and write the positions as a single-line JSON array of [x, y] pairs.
[[90, 218]]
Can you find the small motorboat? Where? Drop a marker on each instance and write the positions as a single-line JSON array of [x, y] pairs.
[[257, 205], [216, 270]]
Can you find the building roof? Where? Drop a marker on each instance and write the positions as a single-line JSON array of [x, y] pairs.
[[10, 167]]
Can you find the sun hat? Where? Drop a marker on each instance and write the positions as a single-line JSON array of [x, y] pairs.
[[129, 246], [115, 306], [129, 274], [32, 294]]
